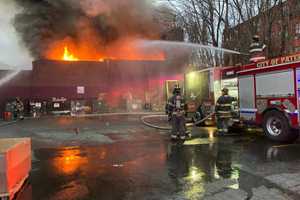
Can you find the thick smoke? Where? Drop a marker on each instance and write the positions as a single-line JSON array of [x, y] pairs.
[[12, 54], [94, 24]]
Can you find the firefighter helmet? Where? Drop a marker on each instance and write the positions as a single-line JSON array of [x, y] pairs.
[[256, 38], [225, 90], [177, 89]]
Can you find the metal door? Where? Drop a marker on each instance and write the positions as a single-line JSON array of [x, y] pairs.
[[247, 98]]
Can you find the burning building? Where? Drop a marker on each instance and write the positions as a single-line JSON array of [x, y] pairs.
[[93, 50], [122, 85]]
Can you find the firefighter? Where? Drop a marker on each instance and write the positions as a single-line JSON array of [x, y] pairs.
[[19, 108], [224, 111], [257, 50], [176, 111]]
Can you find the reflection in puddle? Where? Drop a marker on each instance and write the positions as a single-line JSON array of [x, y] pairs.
[[195, 174], [199, 141], [69, 161], [208, 139], [136, 170], [194, 183], [72, 190], [199, 162]]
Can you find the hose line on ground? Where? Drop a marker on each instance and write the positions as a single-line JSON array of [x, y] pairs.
[[143, 119], [203, 120]]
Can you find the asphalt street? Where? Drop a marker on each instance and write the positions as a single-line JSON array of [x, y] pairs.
[[118, 158]]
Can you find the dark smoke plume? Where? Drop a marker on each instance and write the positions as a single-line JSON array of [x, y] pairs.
[[41, 23]]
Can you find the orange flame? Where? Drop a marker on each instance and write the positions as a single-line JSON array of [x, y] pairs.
[[85, 51], [68, 56]]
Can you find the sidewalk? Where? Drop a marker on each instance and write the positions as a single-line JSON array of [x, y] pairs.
[[6, 123]]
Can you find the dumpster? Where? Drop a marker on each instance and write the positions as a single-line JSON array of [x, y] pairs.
[[15, 165]]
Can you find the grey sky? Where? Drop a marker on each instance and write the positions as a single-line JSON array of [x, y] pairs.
[[12, 54]]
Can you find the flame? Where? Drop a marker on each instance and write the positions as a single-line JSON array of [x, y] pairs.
[[68, 56], [68, 50]]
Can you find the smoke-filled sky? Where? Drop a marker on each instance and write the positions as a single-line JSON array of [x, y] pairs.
[[88, 26], [12, 54], [31, 29]]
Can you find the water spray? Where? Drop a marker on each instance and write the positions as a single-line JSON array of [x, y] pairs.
[[173, 44], [9, 76]]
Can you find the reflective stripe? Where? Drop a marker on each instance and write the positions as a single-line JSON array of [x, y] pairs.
[[174, 136], [255, 44], [256, 50], [223, 130], [248, 110], [290, 112], [256, 59], [224, 112], [224, 105]]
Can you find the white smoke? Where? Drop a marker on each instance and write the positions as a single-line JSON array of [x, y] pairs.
[[12, 54]]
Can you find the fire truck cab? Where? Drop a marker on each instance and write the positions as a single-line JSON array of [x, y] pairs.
[[269, 96]]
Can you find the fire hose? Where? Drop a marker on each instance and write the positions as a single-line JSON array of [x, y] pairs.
[[143, 119]]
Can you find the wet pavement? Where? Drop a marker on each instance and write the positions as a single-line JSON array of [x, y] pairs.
[[114, 158]]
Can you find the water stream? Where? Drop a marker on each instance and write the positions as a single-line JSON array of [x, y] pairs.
[[176, 44], [9, 77]]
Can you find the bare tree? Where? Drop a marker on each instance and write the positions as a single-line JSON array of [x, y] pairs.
[[232, 23], [263, 17]]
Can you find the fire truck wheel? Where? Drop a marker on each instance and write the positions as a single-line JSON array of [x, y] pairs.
[[277, 128]]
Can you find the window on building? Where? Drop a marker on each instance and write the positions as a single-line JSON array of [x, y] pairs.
[[297, 49], [297, 28], [286, 9]]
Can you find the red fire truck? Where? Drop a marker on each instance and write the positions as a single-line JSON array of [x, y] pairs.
[[269, 96]]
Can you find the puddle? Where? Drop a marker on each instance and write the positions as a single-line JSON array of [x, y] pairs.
[[138, 170]]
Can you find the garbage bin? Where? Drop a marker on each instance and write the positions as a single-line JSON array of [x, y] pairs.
[[7, 116], [8, 113]]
